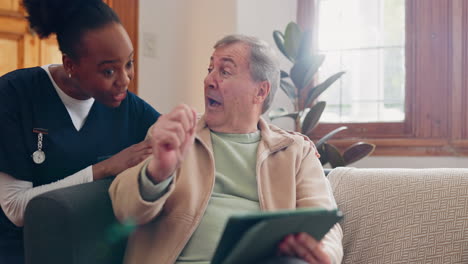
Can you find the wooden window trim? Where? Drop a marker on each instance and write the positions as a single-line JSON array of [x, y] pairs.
[[436, 122]]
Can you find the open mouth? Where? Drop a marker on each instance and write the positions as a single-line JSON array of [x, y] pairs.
[[213, 103]]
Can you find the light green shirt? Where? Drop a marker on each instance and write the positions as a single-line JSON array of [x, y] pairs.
[[235, 191]]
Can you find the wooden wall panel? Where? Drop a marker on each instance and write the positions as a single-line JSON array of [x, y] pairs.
[[13, 32], [30, 51], [432, 33], [456, 127], [11, 23], [9, 56], [463, 32], [49, 52], [10, 5], [109, 2]]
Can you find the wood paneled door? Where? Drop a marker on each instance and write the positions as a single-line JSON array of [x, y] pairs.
[[21, 48]]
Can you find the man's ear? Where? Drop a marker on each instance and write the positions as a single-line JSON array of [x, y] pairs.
[[262, 92]]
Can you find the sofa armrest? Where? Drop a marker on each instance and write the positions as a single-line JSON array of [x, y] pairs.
[[73, 225], [403, 215]]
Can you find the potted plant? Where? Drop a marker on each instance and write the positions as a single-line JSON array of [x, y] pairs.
[[298, 84]]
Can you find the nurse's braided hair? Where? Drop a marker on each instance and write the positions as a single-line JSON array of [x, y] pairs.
[[69, 19]]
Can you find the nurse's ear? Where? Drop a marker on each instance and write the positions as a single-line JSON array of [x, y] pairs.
[[68, 65]]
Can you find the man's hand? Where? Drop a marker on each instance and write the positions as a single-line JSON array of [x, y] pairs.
[[171, 136], [305, 247], [123, 160]]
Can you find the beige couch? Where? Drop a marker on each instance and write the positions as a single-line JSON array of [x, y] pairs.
[[391, 216], [403, 215]]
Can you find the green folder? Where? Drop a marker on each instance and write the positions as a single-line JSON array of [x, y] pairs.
[[250, 238]]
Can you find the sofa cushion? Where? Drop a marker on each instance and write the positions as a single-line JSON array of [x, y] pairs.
[[403, 215], [74, 225]]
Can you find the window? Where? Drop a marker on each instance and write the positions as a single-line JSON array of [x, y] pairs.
[[420, 79], [366, 39]]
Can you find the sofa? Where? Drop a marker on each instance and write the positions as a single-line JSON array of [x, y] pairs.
[[391, 216], [73, 225]]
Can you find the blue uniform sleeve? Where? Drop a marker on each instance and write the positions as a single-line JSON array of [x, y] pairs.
[[14, 159]]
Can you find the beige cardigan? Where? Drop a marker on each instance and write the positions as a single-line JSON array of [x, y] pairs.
[[289, 175]]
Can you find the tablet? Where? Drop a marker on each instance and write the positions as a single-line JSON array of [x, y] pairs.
[[253, 237]]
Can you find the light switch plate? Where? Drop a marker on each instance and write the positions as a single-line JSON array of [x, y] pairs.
[[149, 45]]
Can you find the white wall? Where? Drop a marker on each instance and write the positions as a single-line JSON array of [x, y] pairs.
[[209, 21], [180, 35], [159, 73], [185, 32], [260, 18]]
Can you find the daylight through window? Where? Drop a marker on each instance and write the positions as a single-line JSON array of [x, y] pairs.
[[365, 38]]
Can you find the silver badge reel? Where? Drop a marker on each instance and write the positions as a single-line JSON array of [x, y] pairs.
[[39, 156]]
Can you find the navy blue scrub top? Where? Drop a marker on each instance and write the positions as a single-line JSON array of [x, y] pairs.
[[29, 101]]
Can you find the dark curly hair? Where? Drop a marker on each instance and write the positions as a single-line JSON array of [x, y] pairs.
[[68, 19]]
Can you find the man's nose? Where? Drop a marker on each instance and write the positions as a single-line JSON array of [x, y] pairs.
[[210, 80]]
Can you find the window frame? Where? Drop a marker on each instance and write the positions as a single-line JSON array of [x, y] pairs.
[[436, 56]]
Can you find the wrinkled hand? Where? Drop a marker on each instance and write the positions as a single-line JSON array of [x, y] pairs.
[[171, 137], [305, 247], [123, 160]]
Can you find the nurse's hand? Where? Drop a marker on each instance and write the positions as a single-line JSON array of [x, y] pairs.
[[305, 247], [123, 160], [171, 137]]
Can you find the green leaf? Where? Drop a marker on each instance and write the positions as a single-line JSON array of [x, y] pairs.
[[302, 116], [317, 61], [319, 89], [330, 135], [289, 90], [313, 117], [279, 40], [281, 112], [305, 46], [283, 74], [357, 151], [323, 154], [304, 69], [334, 156], [292, 39]]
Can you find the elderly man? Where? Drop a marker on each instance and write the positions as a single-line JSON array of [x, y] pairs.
[[229, 161]]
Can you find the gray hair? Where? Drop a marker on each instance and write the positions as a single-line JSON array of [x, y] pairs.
[[263, 61]]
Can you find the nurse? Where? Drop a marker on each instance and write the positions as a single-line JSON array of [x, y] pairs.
[[72, 123]]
